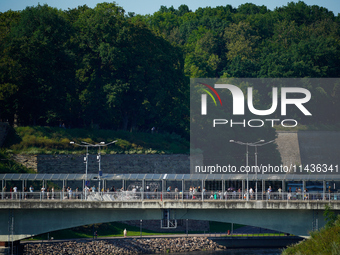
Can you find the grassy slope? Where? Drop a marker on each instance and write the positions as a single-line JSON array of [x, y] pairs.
[[323, 242], [54, 140], [114, 229]]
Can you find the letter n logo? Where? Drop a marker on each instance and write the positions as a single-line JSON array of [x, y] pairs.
[[204, 98]]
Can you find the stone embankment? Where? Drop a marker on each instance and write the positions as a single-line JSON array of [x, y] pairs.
[[124, 246]]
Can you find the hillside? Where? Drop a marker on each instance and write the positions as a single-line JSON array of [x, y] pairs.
[[131, 72], [55, 140]]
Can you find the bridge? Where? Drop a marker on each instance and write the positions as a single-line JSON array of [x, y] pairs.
[[24, 213]]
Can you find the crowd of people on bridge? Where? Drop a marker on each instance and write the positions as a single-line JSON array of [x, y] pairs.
[[194, 192]]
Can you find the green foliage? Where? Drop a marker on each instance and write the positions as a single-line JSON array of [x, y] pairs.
[[7, 165], [53, 140], [100, 68], [90, 67], [330, 217], [222, 227], [325, 241]]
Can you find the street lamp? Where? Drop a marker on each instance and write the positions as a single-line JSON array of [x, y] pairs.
[[86, 162], [255, 145], [87, 145], [101, 144], [247, 144]]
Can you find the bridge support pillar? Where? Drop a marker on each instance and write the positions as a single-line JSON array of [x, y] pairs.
[[324, 190], [14, 248], [263, 188], [284, 186]]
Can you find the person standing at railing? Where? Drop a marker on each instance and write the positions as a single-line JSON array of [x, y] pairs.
[[269, 191], [168, 190], [245, 194], [251, 192], [134, 192], [155, 193], [42, 192], [305, 195], [147, 191], [4, 191], [15, 190], [31, 190], [176, 193], [52, 190], [226, 195], [289, 195], [86, 191], [280, 193], [194, 191], [69, 193]]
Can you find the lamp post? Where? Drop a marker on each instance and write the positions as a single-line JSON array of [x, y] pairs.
[[247, 153], [101, 144], [87, 145], [255, 145], [86, 162]]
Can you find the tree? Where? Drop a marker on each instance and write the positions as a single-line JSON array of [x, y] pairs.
[[8, 88], [38, 44]]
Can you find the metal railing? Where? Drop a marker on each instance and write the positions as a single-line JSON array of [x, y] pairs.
[[187, 196]]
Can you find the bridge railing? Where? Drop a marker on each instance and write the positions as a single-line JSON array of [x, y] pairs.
[[187, 196]]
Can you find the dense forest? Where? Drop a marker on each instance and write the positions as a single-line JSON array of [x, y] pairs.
[[104, 68]]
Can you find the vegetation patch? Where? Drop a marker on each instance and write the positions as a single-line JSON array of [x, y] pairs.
[[55, 140], [325, 241]]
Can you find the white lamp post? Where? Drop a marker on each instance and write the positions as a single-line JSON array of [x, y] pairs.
[[86, 162], [87, 145], [247, 144], [99, 157], [255, 145]]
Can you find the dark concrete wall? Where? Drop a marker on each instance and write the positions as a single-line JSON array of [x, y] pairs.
[[303, 147], [319, 147], [309, 147], [119, 163]]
